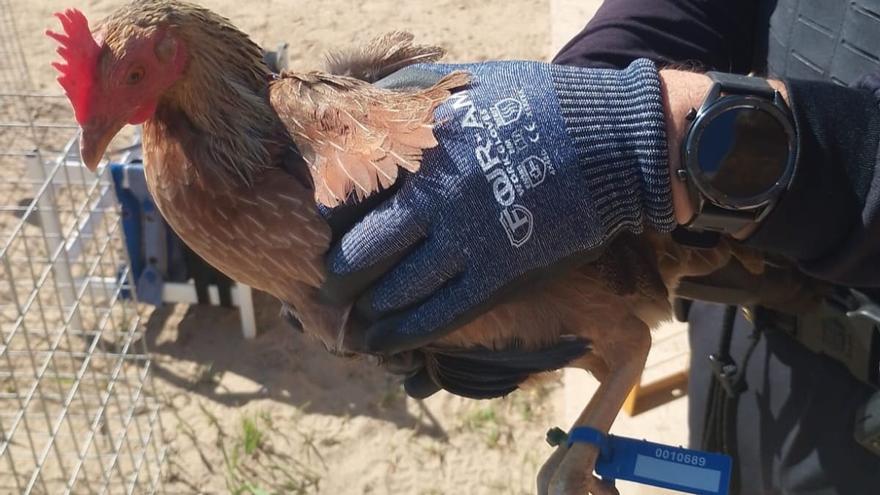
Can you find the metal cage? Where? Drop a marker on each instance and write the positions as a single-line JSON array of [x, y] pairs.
[[77, 410]]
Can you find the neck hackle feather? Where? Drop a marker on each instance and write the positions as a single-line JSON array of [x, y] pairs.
[[223, 91]]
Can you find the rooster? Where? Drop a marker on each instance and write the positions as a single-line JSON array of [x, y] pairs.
[[236, 158]]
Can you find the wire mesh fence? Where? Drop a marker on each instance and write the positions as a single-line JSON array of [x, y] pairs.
[[77, 413]]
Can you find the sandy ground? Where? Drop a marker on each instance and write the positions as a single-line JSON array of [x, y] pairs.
[[279, 415], [468, 30]]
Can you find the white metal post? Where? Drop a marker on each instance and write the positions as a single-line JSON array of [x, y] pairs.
[[47, 208], [245, 305]]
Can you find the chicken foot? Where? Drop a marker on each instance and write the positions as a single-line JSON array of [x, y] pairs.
[[618, 364]]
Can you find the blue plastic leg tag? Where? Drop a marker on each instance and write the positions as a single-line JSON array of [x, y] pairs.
[[640, 461]]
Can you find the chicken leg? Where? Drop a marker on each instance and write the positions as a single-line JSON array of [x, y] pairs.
[[618, 357], [620, 363]]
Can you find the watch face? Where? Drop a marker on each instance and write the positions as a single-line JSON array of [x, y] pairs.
[[742, 152]]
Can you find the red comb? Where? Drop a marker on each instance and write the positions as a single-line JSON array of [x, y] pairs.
[[80, 52]]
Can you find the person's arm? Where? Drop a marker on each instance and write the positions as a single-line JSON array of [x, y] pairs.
[[706, 34], [828, 221]]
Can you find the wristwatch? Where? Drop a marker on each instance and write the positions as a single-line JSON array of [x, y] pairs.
[[738, 155]]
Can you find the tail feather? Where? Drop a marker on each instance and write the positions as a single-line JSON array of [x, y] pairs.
[[439, 92], [381, 57], [355, 135], [360, 151]]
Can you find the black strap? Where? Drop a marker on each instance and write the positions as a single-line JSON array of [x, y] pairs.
[[739, 84], [728, 383]]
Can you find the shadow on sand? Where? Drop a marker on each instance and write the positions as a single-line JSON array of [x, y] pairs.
[[200, 350]]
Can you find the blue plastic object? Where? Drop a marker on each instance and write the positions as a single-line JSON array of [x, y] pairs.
[[649, 463], [155, 252]]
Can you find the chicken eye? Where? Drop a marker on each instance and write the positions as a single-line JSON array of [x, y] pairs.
[[135, 76]]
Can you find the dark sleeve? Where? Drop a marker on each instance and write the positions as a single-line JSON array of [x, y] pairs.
[[710, 34], [829, 220]]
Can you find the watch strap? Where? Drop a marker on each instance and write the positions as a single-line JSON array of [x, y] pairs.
[[717, 219], [739, 84]]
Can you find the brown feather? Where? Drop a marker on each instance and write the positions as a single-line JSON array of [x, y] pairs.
[[381, 57], [355, 135]]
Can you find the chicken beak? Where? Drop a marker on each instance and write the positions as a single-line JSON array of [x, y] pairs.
[[95, 138]]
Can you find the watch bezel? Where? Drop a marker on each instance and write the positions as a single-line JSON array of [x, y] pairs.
[[712, 108]]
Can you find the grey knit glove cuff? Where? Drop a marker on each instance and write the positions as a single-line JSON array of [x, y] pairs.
[[617, 125]]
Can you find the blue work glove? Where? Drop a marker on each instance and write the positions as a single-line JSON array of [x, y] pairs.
[[537, 164]]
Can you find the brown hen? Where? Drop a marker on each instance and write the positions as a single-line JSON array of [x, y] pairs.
[[236, 157]]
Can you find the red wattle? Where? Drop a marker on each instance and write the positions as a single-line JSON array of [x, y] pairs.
[[143, 113]]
